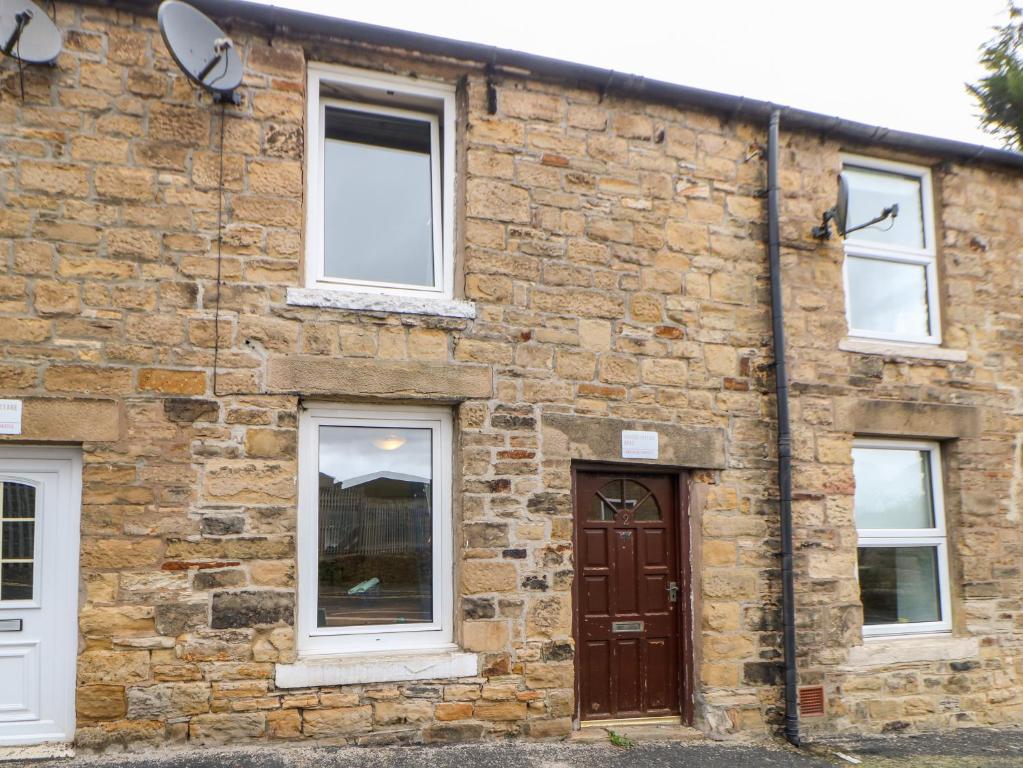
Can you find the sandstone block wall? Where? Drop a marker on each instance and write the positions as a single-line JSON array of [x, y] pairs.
[[614, 249], [973, 677]]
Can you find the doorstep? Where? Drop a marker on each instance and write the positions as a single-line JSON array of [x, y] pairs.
[[641, 733], [54, 749]]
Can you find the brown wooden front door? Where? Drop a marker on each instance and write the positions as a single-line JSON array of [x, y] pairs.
[[628, 595]]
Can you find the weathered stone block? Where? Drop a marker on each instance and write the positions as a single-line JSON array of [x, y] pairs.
[[486, 576], [172, 382], [500, 710], [168, 700], [120, 553], [188, 411], [101, 702], [452, 733], [112, 667], [345, 721], [250, 481], [173, 619], [402, 712], [211, 729], [549, 617], [484, 635], [222, 525], [82, 379], [550, 729], [250, 609], [270, 443], [453, 710], [284, 724], [486, 534]]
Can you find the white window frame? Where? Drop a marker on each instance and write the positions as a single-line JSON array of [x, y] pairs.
[[936, 537], [327, 641], [925, 257], [393, 96]]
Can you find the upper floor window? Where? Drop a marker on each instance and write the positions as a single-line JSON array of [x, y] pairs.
[[380, 183], [903, 546], [890, 268]]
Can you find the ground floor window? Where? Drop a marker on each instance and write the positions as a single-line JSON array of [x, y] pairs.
[[903, 547], [374, 529]]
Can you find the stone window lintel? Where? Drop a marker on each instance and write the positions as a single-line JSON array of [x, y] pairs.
[[908, 419]]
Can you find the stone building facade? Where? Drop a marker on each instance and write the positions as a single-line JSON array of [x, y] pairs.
[[608, 272]]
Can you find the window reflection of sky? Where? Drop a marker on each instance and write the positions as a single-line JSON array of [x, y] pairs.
[[377, 214], [349, 452], [892, 488], [888, 297], [870, 193]]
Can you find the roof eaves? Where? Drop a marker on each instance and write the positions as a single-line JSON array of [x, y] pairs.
[[606, 80]]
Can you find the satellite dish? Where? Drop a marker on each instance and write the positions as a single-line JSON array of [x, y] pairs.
[[842, 206], [200, 48], [27, 33], [839, 213]]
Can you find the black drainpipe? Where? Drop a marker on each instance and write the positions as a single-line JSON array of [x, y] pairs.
[[788, 587]]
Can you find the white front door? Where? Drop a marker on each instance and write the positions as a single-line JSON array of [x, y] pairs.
[[40, 499]]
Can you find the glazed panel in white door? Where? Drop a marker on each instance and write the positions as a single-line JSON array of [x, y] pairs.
[[40, 493]]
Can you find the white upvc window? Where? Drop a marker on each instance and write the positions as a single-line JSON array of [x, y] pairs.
[[903, 544], [374, 529], [380, 183], [890, 274]]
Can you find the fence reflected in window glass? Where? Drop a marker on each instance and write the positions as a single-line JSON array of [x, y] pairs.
[[899, 585], [375, 562]]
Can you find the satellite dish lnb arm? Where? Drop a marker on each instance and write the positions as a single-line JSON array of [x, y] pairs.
[[823, 230], [21, 21], [892, 211], [220, 48]]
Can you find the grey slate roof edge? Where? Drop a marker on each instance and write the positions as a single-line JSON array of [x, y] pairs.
[[605, 80]]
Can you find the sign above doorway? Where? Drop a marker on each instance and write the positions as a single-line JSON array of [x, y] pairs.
[[10, 417], [638, 444]]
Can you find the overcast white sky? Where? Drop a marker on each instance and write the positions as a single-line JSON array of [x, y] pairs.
[[896, 63]]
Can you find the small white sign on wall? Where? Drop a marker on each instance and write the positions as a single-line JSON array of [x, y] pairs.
[[637, 444], [10, 417]]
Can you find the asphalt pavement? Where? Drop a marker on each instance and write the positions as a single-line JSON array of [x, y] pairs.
[[966, 748]]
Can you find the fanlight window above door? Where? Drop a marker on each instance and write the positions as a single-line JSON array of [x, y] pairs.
[[624, 500]]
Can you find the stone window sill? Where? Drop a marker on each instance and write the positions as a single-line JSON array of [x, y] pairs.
[[328, 298], [885, 651], [387, 667], [898, 349]]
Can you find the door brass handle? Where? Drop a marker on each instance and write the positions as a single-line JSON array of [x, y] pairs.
[[673, 591]]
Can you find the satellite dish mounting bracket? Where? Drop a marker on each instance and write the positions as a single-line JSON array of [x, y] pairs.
[[233, 98], [823, 230]]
